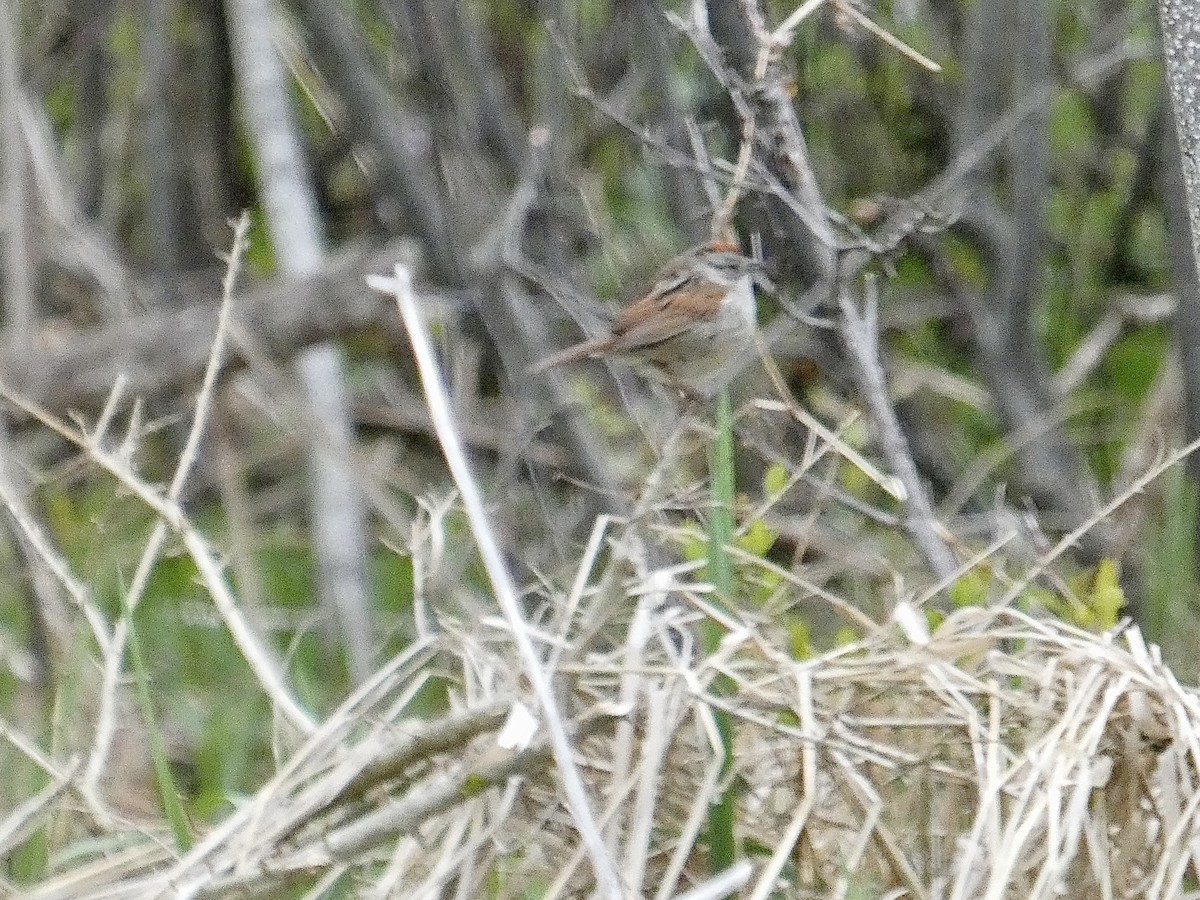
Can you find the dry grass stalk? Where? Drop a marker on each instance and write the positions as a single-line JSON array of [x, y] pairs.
[[1007, 756]]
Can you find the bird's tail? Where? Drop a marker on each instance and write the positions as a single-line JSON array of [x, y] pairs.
[[571, 354]]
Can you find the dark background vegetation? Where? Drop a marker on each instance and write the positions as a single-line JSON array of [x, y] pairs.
[[533, 160]]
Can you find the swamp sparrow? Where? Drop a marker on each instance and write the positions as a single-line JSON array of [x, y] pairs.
[[698, 317]]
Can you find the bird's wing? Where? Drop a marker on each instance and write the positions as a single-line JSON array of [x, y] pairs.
[[657, 317]]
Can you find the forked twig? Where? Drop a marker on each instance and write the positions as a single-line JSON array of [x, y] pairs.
[[255, 654], [106, 719]]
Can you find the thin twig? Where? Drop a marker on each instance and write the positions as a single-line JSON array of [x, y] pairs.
[[1071, 538], [106, 718]]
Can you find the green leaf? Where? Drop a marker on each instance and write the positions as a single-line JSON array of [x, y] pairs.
[[758, 538], [971, 588], [474, 785], [1107, 598], [845, 636], [800, 639], [775, 481]]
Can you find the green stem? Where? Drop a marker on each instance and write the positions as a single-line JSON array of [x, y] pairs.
[[168, 792]]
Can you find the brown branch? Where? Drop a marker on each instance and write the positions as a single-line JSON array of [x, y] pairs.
[[165, 350]]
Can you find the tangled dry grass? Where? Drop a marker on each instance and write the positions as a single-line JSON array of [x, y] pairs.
[[1001, 755]]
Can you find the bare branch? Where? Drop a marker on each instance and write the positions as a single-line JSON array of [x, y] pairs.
[[165, 350], [861, 339]]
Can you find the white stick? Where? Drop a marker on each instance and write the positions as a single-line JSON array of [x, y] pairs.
[[607, 880]]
